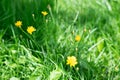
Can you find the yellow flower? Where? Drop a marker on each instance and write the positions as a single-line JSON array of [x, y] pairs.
[[18, 24], [77, 38], [71, 60], [44, 13], [30, 29]]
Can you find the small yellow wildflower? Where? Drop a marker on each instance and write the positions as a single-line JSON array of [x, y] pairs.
[[30, 29], [71, 60], [44, 13], [77, 38], [18, 24]]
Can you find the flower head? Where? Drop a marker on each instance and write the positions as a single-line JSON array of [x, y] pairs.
[[18, 24], [44, 13], [77, 38], [71, 60], [30, 29]]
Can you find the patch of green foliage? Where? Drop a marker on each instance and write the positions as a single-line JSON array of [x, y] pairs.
[[43, 55]]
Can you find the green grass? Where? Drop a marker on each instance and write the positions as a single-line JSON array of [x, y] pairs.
[[43, 55]]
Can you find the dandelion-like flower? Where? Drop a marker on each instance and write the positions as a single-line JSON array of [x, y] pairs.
[[77, 38], [44, 13], [18, 24], [72, 61], [30, 29]]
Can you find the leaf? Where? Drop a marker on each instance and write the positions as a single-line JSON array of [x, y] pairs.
[[100, 44], [55, 74], [13, 65], [14, 78], [35, 78]]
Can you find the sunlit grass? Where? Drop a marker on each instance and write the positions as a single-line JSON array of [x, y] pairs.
[[74, 40]]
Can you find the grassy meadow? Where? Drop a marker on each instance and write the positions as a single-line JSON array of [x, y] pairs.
[[59, 39]]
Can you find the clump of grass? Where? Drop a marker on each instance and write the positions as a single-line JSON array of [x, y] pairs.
[[77, 41]]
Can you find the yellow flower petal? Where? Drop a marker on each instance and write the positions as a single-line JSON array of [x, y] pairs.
[[71, 60], [77, 38], [44, 13], [30, 29], [18, 24]]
